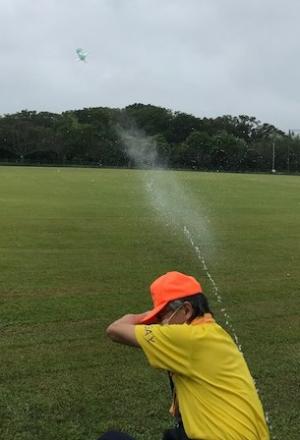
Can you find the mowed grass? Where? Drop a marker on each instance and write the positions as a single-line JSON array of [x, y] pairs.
[[79, 248]]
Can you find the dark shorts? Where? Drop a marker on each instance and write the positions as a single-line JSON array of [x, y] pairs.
[[170, 434], [175, 434], [114, 435]]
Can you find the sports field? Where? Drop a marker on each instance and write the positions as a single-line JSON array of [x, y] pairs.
[[79, 248]]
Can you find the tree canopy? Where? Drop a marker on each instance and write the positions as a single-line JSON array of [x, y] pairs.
[[92, 136]]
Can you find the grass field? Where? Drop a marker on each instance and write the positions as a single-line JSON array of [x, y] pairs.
[[79, 248]]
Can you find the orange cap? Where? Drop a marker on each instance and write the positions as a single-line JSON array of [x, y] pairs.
[[169, 287]]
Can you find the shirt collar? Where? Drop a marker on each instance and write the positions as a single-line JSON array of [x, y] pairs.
[[205, 319]]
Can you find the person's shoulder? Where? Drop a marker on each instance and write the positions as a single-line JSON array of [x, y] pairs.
[[176, 332], [204, 329]]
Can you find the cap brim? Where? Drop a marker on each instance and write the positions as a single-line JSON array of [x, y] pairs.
[[151, 318]]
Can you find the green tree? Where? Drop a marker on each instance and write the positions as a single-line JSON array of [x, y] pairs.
[[197, 151], [153, 120], [228, 152]]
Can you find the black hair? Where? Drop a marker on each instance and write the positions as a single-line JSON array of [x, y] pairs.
[[199, 303]]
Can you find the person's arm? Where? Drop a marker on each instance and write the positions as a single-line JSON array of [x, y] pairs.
[[122, 330]]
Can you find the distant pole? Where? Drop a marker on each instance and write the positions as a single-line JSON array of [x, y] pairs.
[[295, 135], [273, 157], [288, 158]]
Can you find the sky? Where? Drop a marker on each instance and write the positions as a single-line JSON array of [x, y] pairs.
[[204, 57]]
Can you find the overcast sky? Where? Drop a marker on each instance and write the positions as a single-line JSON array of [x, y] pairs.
[[205, 57]]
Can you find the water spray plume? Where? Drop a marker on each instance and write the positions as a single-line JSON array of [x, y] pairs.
[[140, 148]]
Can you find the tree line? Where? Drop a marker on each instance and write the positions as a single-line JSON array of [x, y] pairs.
[[90, 136]]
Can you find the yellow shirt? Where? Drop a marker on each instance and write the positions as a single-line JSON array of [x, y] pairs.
[[215, 391]]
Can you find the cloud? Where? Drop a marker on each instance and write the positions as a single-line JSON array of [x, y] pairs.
[[203, 57]]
